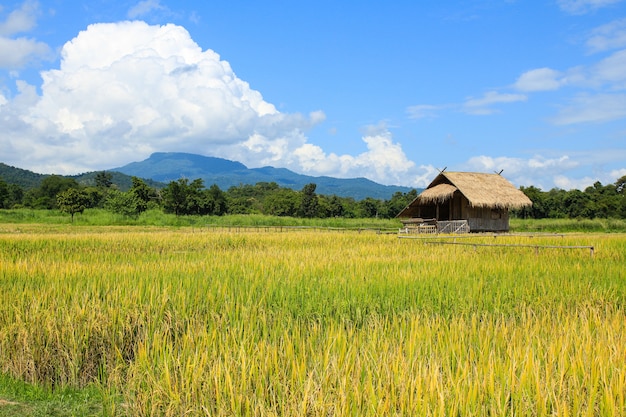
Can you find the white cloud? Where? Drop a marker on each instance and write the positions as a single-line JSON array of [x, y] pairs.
[[125, 90], [584, 6], [586, 108], [145, 7], [17, 52], [537, 170], [540, 79], [483, 105], [567, 183], [384, 161], [602, 81], [565, 171], [611, 71], [618, 173], [20, 20], [609, 36]]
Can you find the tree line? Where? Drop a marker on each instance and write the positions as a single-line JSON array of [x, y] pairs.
[[192, 197], [596, 201], [185, 197]]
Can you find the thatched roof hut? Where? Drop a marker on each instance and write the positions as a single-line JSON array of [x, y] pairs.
[[484, 200]]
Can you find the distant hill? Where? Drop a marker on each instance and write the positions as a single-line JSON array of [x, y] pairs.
[[18, 176], [27, 179], [171, 166]]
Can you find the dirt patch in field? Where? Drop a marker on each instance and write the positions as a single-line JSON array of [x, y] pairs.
[[5, 402]]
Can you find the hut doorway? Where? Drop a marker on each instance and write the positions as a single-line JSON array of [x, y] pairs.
[[443, 211]]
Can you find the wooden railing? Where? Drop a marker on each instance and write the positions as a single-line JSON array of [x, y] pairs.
[[453, 227]]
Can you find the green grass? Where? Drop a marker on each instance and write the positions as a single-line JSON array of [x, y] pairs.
[[19, 399], [99, 217], [569, 225]]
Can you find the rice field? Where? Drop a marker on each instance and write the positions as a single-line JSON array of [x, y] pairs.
[[212, 322]]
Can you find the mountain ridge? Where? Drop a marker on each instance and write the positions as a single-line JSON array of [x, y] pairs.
[[170, 166]]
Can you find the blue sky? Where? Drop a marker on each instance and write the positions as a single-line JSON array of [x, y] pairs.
[[388, 90]]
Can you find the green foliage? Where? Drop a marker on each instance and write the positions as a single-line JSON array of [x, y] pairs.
[[4, 194], [20, 399], [185, 197], [104, 179], [596, 201], [284, 202], [145, 196], [72, 201], [565, 225], [124, 203], [44, 197], [309, 204]]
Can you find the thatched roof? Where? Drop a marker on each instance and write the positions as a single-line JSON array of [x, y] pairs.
[[481, 190], [437, 194], [486, 190]]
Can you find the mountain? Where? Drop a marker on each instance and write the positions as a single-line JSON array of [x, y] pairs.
[[171, 166]]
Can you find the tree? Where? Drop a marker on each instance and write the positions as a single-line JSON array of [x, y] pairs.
[[104, 179], [72, 201], [218, 200], [335, 207], [284, 202], [399, 201], [368, 207], [539, 209], [309, 203], [4, 194], [16, 195], [175, 196], [46, 195], [143, 194], [124, 203], [577, 205]]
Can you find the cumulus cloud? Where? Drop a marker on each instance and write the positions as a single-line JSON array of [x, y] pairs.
[[124, 90], [16, 52], [384, 161]]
